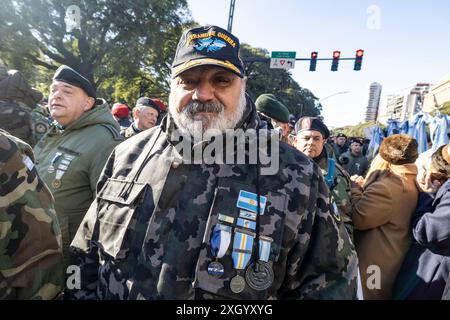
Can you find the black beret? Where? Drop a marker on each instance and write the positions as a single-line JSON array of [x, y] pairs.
[[358, 141], [147, 102], [312, 123], [341, 135], [68, 75]]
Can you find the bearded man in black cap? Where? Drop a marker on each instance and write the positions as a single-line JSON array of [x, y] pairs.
[[164, 227], [72, 154]]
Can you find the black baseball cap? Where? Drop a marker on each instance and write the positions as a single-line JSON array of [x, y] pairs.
[[207, 45], [68, 75]]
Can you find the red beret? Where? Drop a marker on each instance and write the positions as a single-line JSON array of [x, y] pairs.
[[120, 110], [160, 104]]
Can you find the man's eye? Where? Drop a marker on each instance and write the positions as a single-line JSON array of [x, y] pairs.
[[222, 81], [187, 81]]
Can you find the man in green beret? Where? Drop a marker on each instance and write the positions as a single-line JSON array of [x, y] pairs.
[[270, 108]]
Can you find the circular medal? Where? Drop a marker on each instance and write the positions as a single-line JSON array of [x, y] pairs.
[[215, 269], [259, 275], [40, 128], [56, 183], [237, 284]]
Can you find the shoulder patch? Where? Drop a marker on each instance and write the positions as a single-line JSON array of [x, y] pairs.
[[114, 132]]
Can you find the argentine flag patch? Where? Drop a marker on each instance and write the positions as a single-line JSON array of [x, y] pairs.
[[249, 201]]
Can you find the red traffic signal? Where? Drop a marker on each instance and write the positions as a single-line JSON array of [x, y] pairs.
[[312, 65], [335, 63], [358, 59]]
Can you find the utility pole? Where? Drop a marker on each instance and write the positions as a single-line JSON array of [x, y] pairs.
[[230, 16]]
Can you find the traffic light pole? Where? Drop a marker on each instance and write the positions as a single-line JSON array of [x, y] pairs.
[[260, 59]]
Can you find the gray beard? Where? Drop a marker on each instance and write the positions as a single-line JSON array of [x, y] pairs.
[[190, 122]]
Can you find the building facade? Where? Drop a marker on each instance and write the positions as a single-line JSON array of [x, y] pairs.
[[374, 102]]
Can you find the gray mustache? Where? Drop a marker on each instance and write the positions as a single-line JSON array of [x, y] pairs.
[[195, 107]]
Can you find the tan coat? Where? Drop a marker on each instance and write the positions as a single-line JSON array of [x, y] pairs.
[[382, 214]]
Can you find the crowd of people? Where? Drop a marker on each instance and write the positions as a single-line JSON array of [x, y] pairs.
[[107, 206]]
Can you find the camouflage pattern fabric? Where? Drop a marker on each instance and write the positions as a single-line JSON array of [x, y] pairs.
[[340, 193], [16, 119], [148, 233], [30, 237], [41, 122], [129, 132]]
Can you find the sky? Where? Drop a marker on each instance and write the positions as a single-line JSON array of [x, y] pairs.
[[404, 42]]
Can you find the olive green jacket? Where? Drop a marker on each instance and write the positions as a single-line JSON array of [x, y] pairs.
[[70, 161]]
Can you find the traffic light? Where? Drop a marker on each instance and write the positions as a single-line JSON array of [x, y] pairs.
[[358, 59], [335, 64], [312, 66]]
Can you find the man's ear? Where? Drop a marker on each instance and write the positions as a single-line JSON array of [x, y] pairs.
[[136, 112], [90, 102], [295, 140]]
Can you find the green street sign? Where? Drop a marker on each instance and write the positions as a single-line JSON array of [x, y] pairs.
[[283, 54]]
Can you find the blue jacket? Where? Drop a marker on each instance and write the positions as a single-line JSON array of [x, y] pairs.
[[427, 265]]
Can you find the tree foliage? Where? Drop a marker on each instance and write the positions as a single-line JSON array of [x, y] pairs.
[[357, 130], [261, 79], [124, 47], [122, 39]]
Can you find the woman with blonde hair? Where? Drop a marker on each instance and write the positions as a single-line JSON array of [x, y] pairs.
[[383, 204]]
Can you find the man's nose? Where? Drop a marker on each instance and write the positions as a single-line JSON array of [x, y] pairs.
[[53, 96], [204, 92]]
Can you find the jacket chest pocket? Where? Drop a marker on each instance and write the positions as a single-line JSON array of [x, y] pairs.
[[230, 244], [117, 203]]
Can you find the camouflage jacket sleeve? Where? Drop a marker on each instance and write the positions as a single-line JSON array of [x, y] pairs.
[[30, 238], [322, 263], [84, 251]]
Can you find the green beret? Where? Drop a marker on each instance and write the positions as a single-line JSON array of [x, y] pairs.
[[271, 107], [312, 123]]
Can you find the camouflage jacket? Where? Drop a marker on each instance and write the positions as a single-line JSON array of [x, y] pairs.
[[41, 122], [148, 233], [30, 238], [16, 119], [130, 131], [340, 194]]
